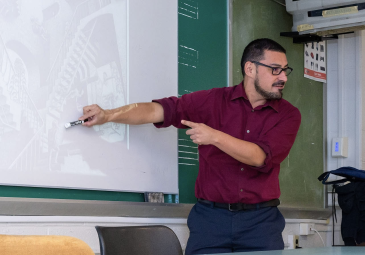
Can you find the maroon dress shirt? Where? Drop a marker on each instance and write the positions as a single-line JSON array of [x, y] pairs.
[[272, 126]]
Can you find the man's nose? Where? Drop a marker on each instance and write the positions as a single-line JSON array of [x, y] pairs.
[[283, 77]]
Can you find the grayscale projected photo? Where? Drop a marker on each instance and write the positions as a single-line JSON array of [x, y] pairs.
[[57, 56]]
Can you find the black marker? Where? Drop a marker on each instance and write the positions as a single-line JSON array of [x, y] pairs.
[[67, 125]]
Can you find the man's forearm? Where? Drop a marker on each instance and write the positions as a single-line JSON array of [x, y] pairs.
[[243, 151], [134, 114]]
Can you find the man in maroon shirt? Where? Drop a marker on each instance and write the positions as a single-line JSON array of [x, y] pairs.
[[244, 133]]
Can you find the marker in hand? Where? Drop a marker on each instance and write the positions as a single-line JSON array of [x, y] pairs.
[[67, 125]]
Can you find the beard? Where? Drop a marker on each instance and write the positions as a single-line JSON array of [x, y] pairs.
[[267, 94]]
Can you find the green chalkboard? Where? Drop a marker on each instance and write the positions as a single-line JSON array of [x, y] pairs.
[[203, 60], [252, 19], [202, 26], [33, 192]]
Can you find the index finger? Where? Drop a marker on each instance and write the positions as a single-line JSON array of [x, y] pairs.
[[188, 123], [86, 116]]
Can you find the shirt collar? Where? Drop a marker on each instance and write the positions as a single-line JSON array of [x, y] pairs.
[[239, 92]]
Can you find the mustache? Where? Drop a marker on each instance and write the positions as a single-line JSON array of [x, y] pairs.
[[279, 83]]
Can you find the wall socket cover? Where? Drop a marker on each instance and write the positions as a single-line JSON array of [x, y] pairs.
[[305, 229]]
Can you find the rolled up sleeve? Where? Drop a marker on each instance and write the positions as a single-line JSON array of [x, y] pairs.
[[175, 110], [277, 142]]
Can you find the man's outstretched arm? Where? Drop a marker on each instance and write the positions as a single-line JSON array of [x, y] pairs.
[[134, 114]]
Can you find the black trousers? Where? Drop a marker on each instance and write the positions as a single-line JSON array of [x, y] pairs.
[[217, 230]]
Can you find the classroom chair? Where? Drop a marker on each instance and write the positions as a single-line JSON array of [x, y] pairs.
[[43, 245], [137, 240]]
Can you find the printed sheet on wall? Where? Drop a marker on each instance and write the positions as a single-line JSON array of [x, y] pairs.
[[315, 61]]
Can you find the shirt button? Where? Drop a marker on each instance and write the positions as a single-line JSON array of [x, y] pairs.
[[248, 131], [241, 190], [252, 110], [242, 169]]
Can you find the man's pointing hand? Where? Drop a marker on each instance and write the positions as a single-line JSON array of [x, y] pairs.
[[200, 133]]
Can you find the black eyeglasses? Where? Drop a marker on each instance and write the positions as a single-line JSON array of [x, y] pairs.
[[275, 70]]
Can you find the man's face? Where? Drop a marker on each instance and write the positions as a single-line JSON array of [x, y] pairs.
[[270, 86]]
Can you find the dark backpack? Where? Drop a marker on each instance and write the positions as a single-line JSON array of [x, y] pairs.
[[351, 199]]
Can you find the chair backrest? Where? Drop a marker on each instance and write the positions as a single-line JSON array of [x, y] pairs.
[[138, 240]]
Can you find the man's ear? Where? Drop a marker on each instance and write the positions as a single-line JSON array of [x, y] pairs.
[[250, 69]]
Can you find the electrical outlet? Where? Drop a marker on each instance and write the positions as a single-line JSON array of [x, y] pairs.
[[297, 243], [293, 242], [305, 229]]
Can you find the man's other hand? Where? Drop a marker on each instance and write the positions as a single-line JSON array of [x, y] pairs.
[[200, 133]]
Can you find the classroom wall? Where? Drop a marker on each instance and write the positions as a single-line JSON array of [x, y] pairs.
[[344, 103], [343, 92], [343, 97]]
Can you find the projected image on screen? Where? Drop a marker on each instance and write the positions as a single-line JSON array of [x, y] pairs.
[[55, 58]]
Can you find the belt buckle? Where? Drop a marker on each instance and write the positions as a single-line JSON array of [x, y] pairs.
[[233, 209]]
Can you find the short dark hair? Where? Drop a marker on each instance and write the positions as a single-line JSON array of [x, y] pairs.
[[255, 50]]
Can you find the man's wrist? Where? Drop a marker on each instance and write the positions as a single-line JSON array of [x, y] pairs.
[[216, 138], [108, 114]]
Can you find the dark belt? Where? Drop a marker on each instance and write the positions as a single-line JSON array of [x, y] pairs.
[[241, 206]]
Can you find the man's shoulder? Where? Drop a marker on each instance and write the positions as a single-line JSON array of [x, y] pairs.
[[285, 103], [286, 107], [213, 91], [220, 89]]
